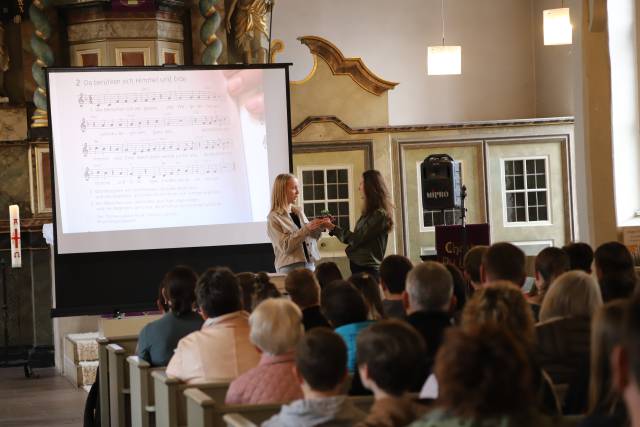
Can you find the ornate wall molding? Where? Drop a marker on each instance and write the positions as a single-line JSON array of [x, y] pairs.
[[352, 67], [419, 128]]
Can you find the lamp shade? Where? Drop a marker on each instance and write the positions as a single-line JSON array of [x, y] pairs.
[[444, 60], [557, 26]]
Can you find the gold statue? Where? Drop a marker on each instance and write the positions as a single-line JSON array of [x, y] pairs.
[[247, 18]]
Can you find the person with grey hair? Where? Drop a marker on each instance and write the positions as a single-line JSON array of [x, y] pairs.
[[276, 328], [428, 299]]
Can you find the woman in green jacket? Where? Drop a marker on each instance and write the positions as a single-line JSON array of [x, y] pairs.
[[367, 242]]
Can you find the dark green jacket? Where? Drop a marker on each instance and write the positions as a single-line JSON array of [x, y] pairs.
[[368, 240]]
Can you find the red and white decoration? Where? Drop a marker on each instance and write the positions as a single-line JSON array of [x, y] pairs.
[[14, 229]]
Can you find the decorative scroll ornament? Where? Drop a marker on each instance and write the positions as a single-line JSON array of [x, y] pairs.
[[44, 58], [208, 31], [247, 21]]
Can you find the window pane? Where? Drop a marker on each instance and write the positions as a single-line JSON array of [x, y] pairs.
[[542, 214], [511, 215], [531, 199], [332, 175], [318, 177], [342, 175], [508, 167], [307, 177], [509, 182], [521, 214], [343, 191], [438, 218], [319, 192], [530, 166], [307, 192], [308, 210], [531, 181], [519, 182], [533, 214], [343, 208], [542, 181], [518, 167], [333, 208], [540, 166], [428, 219], [343, 222], [542, 198], [511, 200], [448, 217], [520, 199], [332, 191]]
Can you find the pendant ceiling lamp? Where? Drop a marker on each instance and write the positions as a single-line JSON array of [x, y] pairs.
[[557, 26], [444, 60]]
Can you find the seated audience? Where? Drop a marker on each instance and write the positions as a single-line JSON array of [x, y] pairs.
[[327, 272], [615, 271], [368, 286], [604, 404], [276, 329], [158, 339], [503, 261], [345, 309], [429, 299], [390, 353], [580, 256], [304, 291], [503, 304], [393, 275], [485, 379], [460, 289], [221, 350], [564, 331], [472, 263], [264, 289], [320, 367], [550, 263], [625, 362]]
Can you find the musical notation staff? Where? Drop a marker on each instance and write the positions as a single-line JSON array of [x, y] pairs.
[[108, 100], [219, 121], [135, 148], [154, 172]]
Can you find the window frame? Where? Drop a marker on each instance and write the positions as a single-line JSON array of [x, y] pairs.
[[526, 191], [315, 167]]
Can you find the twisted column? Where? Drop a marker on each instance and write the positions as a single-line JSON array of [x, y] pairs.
[[208, 32], [44, 58]]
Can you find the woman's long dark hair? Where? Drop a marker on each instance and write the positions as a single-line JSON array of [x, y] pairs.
[[376, 195]]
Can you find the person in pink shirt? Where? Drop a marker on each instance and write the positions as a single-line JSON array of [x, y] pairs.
[[221, 350], [276, 328]]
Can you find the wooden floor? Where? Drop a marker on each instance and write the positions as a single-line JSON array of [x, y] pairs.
[[49, 401]]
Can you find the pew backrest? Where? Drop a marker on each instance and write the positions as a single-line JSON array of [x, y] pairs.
[[203, 411], [237, 420], [170, 402], [128, 343], [142, 395]]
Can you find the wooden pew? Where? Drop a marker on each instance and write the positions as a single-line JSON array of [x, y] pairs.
[[129, 344], [142, 393], [119, 391], [203, 411], [170, 401]]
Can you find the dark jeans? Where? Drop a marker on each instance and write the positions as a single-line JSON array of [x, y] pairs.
[[373, 272]]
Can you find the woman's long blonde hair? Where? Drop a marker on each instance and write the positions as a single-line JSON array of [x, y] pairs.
[[572, 294], [279, 202]]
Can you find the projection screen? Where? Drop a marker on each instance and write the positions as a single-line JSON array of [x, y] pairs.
[[161, 165]]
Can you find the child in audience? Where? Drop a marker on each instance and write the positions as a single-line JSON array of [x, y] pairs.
[[158, 339], [393, 274], [471, 263], [485, 379], [370, 290], [327, 272], [390, 354], [345, 309], [304, 291], [615, 271], [550, 263], [321, 358], [580, 256], [276, 328], [221, 350]]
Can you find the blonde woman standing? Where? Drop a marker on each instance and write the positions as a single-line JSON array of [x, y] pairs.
[[293, 237]]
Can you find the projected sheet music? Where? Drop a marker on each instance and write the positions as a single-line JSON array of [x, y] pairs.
[[149, 151]]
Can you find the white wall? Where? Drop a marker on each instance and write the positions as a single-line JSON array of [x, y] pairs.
[[392, 37]]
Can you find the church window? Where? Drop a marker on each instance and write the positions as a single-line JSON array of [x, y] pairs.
[[327, 188], [525, 190]]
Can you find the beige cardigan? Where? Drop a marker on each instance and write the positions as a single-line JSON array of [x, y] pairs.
[[287, 239]]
